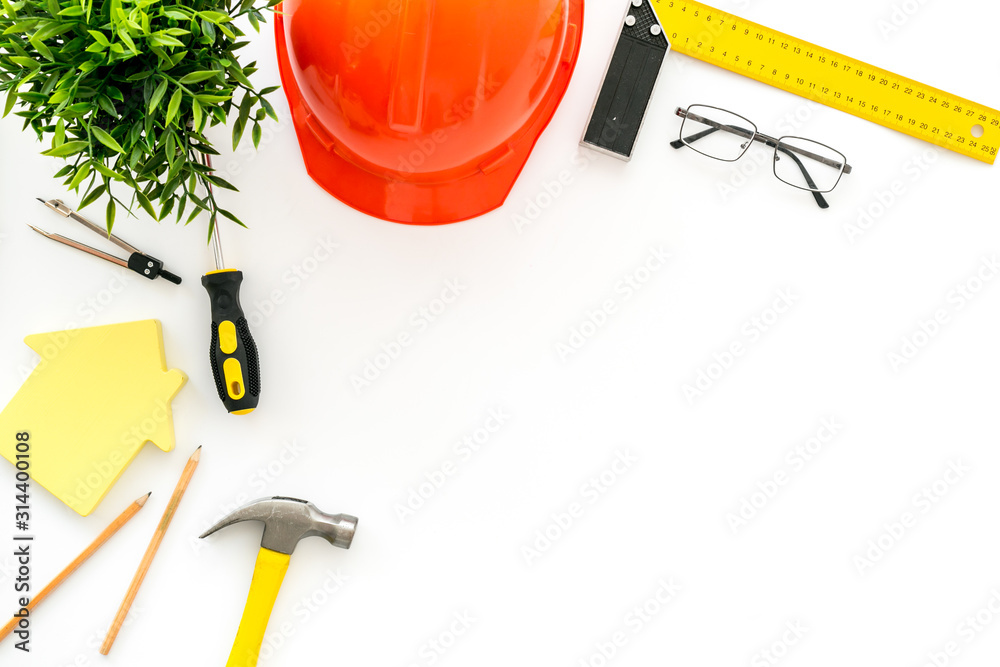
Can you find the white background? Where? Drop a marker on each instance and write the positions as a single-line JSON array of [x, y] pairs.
[[494, 348]]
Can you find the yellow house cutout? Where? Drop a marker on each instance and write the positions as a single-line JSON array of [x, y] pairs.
[[97, 396]]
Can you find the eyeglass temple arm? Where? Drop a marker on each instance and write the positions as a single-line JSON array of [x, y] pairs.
[[679, 143], [820, 199]]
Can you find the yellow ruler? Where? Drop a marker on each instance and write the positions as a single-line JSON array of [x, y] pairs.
[[831, 78]]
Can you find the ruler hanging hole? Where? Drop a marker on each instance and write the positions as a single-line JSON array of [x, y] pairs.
[[978, 131]]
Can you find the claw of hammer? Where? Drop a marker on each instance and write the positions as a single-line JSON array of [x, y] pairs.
[[286, 521]]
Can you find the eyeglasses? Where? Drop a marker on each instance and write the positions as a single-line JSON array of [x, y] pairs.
[[810, 165]]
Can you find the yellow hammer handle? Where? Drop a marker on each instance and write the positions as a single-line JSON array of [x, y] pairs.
[[267, 577]]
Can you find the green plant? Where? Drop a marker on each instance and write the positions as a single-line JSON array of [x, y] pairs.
[[126, 89]]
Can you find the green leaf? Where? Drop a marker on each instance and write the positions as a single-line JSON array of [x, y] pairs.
[[110, 213], [246, 104], [107, 139], [255, 134], [173, 106], [204, 148], [167, 207], [67, 149], [220, 182], [154, 101], [11, 100], [231, 217], [177, 57], [42, 49], [268, 109], [105, 103], [208, 30], [93, 195], [81, 173], [59, 136], [100, 38], [75, 10], [134, 134], [238, 128], [196, 115], [127, 40], [161, 39], [170, 149], [145, 204], [213, 99], [21, 26], [195, 77], [52, 29], [135, 156], [105, 171], [215, 17], [237, 74], [25, 61]]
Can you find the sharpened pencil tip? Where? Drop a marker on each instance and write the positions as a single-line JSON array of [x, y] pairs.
[[197, 454], [40, 199], [142, 501]]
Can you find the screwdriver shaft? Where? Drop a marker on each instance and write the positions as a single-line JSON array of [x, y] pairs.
[[220, 262]]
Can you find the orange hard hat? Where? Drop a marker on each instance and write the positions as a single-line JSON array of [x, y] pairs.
[[423, 111]]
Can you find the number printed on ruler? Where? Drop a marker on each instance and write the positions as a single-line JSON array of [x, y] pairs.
[[831, 78]]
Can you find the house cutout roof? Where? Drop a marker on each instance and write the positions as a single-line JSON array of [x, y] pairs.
[[97, 396]]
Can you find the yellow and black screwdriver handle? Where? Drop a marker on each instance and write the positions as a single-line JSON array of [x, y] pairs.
[[233, 353]]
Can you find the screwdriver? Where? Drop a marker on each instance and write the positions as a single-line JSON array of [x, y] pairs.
[[233, 353]]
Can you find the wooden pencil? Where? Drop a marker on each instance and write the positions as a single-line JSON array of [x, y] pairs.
[[154, 544], [105, 535]]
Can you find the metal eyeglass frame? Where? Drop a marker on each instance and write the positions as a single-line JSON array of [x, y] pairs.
[[770, 142]]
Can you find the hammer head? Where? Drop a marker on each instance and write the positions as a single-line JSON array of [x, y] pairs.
[[288, 520]]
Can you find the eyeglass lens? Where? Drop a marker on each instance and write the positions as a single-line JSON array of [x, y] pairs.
[[717, 133], [807, 164]]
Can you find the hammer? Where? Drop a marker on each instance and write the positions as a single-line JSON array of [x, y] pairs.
[[286, 521]]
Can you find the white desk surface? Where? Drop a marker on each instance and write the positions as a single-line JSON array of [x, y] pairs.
[[456, 582]]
